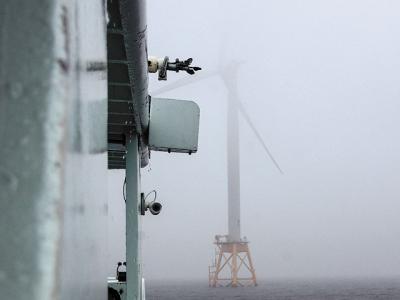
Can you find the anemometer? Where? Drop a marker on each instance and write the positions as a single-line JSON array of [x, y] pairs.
[[163, 65]]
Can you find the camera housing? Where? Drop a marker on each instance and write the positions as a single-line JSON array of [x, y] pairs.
[[152, 206]]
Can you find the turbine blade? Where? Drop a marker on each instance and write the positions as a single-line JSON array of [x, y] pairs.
[[184, 82], [250, 123]]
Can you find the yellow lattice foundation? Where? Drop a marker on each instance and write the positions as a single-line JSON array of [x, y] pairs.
[[233, 265]]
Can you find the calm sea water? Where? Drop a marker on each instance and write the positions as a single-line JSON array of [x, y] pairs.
[[363, 289]]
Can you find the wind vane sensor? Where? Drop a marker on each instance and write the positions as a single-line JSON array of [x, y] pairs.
[[163, 65]]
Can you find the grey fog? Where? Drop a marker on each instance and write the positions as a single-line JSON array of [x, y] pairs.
[[320, 81]]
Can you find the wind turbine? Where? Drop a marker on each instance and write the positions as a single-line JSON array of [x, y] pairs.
[[233, 253]]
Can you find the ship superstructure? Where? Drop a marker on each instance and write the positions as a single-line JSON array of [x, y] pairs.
[[75, 103]]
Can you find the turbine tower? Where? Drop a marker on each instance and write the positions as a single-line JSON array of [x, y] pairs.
[[233, 153], [233, 265]]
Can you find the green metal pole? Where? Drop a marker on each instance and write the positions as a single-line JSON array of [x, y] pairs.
[[133, 268]]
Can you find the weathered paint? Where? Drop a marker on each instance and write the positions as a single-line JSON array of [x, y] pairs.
[[134, 26], [83, 273], [52, 159], [128, 109]]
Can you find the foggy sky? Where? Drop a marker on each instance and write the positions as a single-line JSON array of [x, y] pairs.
[[320, 80]]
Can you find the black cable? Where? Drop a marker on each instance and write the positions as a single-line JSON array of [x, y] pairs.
[[155, 195], [124, 190]]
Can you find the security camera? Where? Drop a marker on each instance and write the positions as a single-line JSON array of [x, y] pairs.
[[153, 206]]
